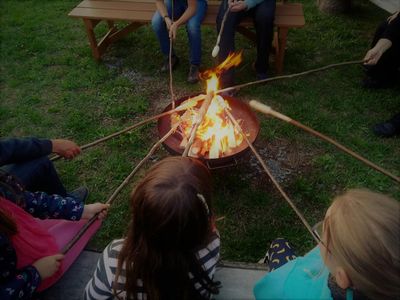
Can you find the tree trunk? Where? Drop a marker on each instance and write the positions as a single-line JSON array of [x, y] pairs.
[[334, 6]]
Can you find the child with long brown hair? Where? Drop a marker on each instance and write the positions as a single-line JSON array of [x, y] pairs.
[[358, 257], [172, 245]]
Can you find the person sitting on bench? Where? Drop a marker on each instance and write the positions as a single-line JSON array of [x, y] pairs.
[[263, 13], [192, 13]]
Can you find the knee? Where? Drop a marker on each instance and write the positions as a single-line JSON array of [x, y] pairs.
[[193, 27], [157, 22]]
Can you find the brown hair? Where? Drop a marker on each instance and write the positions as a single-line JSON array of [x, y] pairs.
[[362, 231], [169, 222]]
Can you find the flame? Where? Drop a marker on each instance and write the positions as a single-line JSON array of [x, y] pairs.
[[216, 136]]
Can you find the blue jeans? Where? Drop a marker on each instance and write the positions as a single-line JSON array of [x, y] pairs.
[[192, 27], [37, 175]]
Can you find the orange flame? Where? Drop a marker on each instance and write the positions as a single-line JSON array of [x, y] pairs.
[[216, 136], [233, 60]]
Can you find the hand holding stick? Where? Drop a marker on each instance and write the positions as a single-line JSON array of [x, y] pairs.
[[110, 200], [269, 111]]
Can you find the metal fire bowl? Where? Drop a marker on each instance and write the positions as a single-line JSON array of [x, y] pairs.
[[240, 110]]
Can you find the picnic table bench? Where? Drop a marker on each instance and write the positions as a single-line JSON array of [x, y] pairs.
[[140, 12]]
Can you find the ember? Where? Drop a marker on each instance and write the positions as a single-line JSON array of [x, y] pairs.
[[216, 136]]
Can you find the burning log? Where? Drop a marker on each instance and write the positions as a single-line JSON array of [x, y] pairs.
[[269, 111], [202, 113], [110, 200]]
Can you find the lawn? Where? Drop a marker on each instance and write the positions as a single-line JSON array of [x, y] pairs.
[[52, 87]]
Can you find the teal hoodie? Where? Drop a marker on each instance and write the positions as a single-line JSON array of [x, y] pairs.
[[302, 278]]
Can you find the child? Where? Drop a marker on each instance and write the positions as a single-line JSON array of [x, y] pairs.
[[29, 252], [172, 246], [358, 257], [192, 13]]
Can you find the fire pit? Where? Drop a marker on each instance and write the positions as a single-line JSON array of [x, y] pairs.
[[219, 153]]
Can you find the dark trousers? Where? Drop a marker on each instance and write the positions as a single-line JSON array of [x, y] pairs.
[[387, 68], [37, 175], [263, 16]]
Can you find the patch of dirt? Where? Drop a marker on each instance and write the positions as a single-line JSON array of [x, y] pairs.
[[285, 159]]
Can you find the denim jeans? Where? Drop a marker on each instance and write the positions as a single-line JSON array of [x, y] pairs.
[[192, 27], [37, 175], [263, 16]]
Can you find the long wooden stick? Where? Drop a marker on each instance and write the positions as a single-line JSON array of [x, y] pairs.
[[235, 87], [171, 87], [106, 138], [268, 172], [269, 111], [110, 200], [202, 112]]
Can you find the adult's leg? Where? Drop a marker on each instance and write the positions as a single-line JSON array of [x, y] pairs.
[[38, 175], [263, 16], [193, 28], [159, 26], [227, 42]]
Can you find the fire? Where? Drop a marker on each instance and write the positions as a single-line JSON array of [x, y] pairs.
[[216, 136]]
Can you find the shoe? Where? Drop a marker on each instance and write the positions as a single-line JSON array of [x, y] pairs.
[[81, 193], [194, 73], [385, 129], [174, 63]]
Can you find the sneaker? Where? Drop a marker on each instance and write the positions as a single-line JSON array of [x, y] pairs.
[[194, 73], [81, 193], [261, 76], [174, 63]]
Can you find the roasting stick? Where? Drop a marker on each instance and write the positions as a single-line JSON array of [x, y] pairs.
[[231, 88], [202, 112], [269, 111], [110, 200], [106, 138], [216, 47], [171, 87], [277, 185]]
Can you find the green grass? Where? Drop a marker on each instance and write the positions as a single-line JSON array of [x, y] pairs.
[[52, 87]]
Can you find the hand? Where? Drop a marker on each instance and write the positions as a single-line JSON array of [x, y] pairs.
[[237, 5], [91, 209], [172, 30], [392, 17], [168, 22], [48, 265], [372, 57], [65, 148]]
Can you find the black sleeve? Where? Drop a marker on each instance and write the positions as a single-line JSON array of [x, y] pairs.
[[392, 32], [13, 150]]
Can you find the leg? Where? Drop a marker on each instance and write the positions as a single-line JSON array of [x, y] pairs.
[[160, 28], [227, 42], [193, 29], [279, 253], [264, 14], [38, 175]]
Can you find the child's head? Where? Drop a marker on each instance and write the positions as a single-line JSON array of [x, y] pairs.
[[362, 235], [171, 213]]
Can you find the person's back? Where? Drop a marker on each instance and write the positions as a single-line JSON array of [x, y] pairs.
[[172, 246]]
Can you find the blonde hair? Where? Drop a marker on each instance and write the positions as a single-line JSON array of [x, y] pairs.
[[362, 235]]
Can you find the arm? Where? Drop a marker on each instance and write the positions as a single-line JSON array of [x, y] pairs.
[[15, 284], [44, 206], [19, 150], [189, 12], [99, 286], [391, 34]]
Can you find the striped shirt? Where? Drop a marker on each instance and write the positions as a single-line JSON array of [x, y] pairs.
[[100, 287]]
